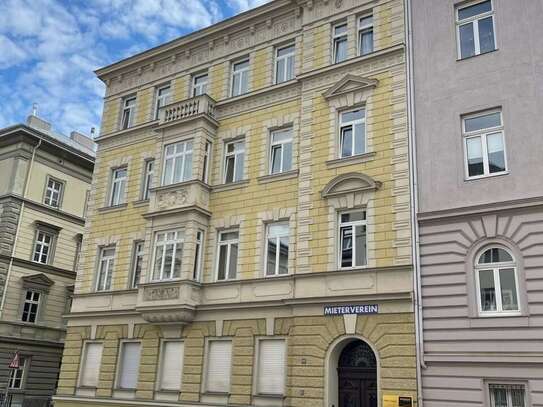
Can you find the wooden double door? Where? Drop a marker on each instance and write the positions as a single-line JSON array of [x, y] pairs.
[[357, 374]]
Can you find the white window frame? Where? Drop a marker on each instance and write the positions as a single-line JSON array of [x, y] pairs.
[[183, 155], [139, 252], [287, 58], [243, 74], [277, 253], [508, 386], [40, 245], [128, 110], [200, 88], [148, 172], [256, 375], [50, 192], [229, 244], [83, 363], [280, 145], [207, 161], [15, 372], [120, 366], [234, 154], [106, 264], [198, 255], [160, 373], [352, 124], [337, 38], [32, 301], [118, 186], [351, 224], [178, 244], [364, 29], [207, 363], [162, 100], [475, 20]]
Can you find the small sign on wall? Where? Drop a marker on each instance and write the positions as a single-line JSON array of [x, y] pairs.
[[356, 309], [397, 401]]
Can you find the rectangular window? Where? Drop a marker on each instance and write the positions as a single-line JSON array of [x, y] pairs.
[[177, 162], [498, 290], [475, 29], [148, 178], [43, 247], [53, 193], [162, 98], [219, 366], [118, 187], [352, 239], [171, 365], [30, 306], [228, 255], [339, 37], [284, 63], [507, 395], [90, 365], [206, 163], [105, 268], [281, 151], [199, 84], [129, 365], [234, 161], [198, 251], [352, 133], [168, 255], [240, 77], [128, 112], [277, 245], [484, 145], [16, 376], [137, 264], [365, 35], [271, 366]]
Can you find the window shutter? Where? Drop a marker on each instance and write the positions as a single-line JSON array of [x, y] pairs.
[[218, 366], [91, 368], [271, 366], [130, 364], [172, 365]]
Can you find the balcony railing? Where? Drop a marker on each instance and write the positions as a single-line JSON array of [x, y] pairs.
[[186, 109]]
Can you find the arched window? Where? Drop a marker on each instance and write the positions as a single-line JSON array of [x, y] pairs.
[[497, 282]]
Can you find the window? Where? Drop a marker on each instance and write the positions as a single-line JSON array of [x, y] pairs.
[[205, 165], [137, 264], [128, 112], [507, 395], [162, 98], [271, 366], [16, 377], [219, 366], [240, 78], [365, 35], [475, 29], [284, 64], [168, 255], [148, 178], [199, 84], [105, 268], [118, 186], [177, 163], [497, 282], [228, 255], [352, 239], [281, 151], [198, 255], [352, 133], [484, 145], [277, 236], [234, 161], [43, 247], [90, 367], [129, 365], [53, 193], [30, 306], [171, 365], [339, 37]]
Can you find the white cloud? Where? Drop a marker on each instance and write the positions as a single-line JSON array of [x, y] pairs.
[[244, 5], [10, 53]]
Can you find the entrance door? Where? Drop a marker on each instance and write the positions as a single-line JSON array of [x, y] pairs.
[[357, 371]]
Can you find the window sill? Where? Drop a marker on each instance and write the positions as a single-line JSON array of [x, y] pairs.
[[139, 203], [113, 208], [229, 186], [179, 185], [475, 56], [278, 177], [482, 177], [270, 396], [356, 159]]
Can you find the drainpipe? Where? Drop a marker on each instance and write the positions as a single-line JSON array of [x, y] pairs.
[[19, 220]]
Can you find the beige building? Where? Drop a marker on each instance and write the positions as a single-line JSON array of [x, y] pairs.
[[248, 240], [44, 181]]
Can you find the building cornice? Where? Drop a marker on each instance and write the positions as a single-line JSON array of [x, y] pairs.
[[42, 268]]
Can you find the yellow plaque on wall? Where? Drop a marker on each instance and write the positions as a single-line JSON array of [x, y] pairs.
[[390, 401]]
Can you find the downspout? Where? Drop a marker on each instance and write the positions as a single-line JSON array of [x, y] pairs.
[[19, 220]]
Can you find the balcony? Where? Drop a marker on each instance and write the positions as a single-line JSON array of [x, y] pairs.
[[202, 106], [179, 197]]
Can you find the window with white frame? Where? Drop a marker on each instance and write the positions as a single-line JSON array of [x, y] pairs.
[[171, 365], [219, 365], [352, 132], [168, 255], [284, 63], [43, 247], [280, 151], [227, 262], [507, 395], [128, 112], [16, 377], [240, 77], [30, 306], [53, 193], [162, 98], [149, 168], [118, 186], [497, 282], [277, 245], [234, 160], [475, 29], [105, 268], [339, 38], [198, 252], [365, 35], [484, 145], [271, 366], [177, 162], [352, 239], [137, 264], [199, 84], [206, 163], [129, 364], [90, 364]]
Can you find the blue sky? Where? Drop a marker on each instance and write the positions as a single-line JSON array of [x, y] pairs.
[[50, 48]]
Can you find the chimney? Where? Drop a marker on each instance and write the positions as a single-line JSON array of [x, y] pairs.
[[37, 123], [82, 139]]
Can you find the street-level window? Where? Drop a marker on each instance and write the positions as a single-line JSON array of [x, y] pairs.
[[16, 376], [198, 252], [168, 255], [228, 255], [105, 268], [484, 144], [162, 98], [281, 151], [30, 306], [219, 365], [148, 178], [497, 282], [137, 264], [177, 162], [53, 193], [128, 112], [43, 247], [339, 37], [475, 29], [352, 239], [284, 63], [352, 133], [365, 35], [271, 366], [199, 84], [129, 365], [507, 395], [234, 160], [240, 77], [118, 186], [277, 245], [171, 365], [90, 364], [206, 163]]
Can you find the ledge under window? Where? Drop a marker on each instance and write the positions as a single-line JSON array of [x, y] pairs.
[[355, 159], [230, 185], [277, 177], [113, 208], [140, 202]]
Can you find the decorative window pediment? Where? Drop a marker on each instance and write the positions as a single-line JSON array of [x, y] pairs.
[[38, 282], [352, 182], [351, 85]]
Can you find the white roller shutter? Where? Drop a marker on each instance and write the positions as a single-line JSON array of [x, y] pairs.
[[130, 365], [219, 366], [91, 364], [172, 365], [271, 366]]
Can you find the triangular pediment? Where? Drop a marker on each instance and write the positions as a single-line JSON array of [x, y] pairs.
[[37, 280], [350, 83], [349, 183]]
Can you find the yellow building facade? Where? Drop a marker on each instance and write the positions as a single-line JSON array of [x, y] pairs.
[[248, 240]]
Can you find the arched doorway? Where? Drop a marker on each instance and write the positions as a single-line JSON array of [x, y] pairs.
[[357, 376]]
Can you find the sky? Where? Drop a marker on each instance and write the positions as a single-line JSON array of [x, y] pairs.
[[49, 50]]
